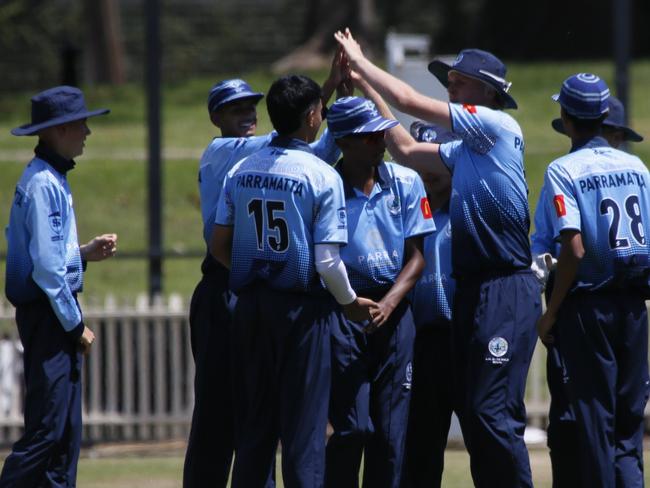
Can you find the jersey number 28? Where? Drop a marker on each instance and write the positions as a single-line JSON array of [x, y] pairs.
[[633, 211]]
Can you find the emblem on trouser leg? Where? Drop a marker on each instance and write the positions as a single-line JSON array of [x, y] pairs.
[[498, 348], [408, 376]]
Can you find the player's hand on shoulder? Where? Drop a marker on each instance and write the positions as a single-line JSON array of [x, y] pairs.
[[100, 248]]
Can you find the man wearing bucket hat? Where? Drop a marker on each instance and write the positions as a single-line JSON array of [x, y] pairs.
[[232, 106], [388, 215], [562, 435], [600, 206], [44, 273], [497, 299]]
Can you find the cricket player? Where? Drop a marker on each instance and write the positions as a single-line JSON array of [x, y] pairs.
[[232, 105], [562, 430], [388, 215], [280, 219], [599, 202], [45, 266], [497, 299]]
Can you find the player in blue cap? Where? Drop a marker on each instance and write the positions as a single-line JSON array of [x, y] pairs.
[[596, 315], [232, 105], [562, 434], [44, 273], [280, 219], [497, 299], [388, 215]]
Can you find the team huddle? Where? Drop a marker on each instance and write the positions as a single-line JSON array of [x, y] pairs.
[[381, 297]]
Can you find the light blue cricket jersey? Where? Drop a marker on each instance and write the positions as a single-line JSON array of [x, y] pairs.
[[432, 297], [43, 250], [224, 152], [603, 193], [378, 224], [541, 241], [281, 200], [489, 202]]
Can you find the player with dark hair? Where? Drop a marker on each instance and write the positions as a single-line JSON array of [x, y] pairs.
[[596, 315], [280, 221]]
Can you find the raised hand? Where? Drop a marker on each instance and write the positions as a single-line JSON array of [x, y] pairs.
[[100, 248], [350, 46]]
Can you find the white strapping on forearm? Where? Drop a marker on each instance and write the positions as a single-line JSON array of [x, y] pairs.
[[332, 270]]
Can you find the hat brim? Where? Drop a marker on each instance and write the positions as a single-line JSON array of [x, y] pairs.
[[628, 134], [32, 129], [441, 70], [238, 96], [378, 124], [558, 125]]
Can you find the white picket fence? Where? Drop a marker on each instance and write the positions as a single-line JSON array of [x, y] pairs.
[[138, 380]]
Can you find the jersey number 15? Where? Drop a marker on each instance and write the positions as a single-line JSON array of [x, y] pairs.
[[276, 226]]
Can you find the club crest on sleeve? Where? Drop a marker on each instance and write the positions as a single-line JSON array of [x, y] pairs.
[[425, 207], [342, 217], [470, 108], [560, 207], [55, 222]]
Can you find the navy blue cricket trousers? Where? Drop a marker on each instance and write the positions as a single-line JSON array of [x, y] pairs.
[[562, 431], [494, 335], [371, 386], [211, 443], [431, 407], [47, 453], [283, 358], [604, 342]]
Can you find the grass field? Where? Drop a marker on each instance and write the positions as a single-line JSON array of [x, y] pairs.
[[109, 183], [166, 472]]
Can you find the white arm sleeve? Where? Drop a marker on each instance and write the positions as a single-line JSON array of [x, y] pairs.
[[332, 270]]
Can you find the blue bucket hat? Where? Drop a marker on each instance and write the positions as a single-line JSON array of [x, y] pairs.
[[355, 115], [56, 106], [584, 96], [227, 91], [615, 119], [478, 64]]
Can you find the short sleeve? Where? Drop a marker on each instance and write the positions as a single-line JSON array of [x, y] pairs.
[[450, 153], [478, 127], [560, 200], [418, 217], [225, 214], [326, 149], [542, 239], [330, 217]]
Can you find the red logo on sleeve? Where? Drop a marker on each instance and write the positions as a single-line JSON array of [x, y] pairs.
[[470, 108], [426, 208], [560, 207]]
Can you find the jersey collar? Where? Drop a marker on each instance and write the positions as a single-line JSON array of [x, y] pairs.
[[597, 141], [291, 143], [59, 163], [383, 178]]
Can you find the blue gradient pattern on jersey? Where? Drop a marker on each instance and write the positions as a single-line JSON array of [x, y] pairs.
[[489, 201], [281, 200], [42, 245], [432, 297], [379, 223], [542, 241], [224, 152], [603, 193]]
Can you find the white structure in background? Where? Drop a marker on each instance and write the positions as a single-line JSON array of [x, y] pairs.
[[10, 370]]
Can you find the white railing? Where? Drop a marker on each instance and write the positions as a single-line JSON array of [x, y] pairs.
[[139, 378]]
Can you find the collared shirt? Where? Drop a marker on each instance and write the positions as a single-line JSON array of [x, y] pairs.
[[281, 201], [603, 193], [43, 250], [432, 297], [489, 202], [224, 152], [378, 224]]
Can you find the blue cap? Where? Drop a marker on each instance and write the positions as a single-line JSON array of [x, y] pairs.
[[615, 119], [483, 66], [56, 106], [584, 96], [227, 91], [355, 115]]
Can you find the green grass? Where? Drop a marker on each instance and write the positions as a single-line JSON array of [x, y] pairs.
[[109, 182], [166, 472]]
